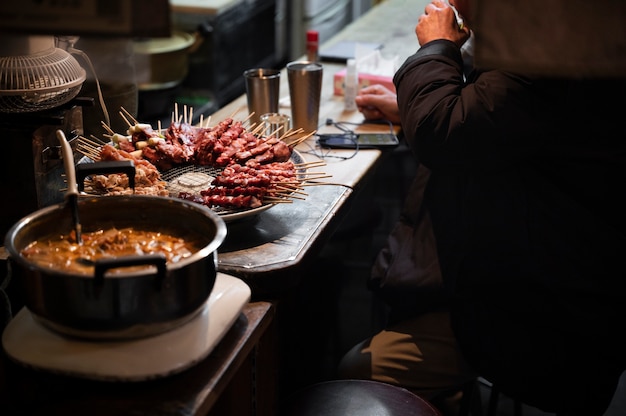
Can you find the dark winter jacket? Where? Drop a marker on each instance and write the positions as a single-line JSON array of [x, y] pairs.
[[526, 200]]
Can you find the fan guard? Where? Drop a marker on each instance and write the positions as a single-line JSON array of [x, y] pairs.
[[39, 81]]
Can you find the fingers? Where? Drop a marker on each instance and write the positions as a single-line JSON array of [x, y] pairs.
[[371, 113], [375, 89], [435, 5]]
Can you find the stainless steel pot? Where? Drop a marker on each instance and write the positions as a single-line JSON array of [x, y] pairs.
[[129, 304], [162, 63]]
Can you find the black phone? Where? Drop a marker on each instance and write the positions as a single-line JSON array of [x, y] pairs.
[[364, 140]]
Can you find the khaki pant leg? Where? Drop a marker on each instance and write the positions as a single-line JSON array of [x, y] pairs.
[[420, 354]]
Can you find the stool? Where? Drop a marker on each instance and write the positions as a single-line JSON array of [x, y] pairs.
[[358, 398]]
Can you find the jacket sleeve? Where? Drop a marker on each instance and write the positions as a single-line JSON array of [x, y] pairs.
[[454, 122]]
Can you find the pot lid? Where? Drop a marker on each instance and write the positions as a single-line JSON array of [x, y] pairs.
[[178, 41]]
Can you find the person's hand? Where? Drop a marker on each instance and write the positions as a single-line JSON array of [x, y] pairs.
[[439, 22], [377, 102]]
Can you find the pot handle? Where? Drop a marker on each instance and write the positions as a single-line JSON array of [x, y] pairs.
[[105, 167], [158, 260], [203, 31]]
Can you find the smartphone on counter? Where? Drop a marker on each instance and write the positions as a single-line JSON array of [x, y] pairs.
[[364, 141]]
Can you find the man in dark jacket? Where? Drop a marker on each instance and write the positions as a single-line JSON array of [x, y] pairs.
[[526, 205], [524, 198]]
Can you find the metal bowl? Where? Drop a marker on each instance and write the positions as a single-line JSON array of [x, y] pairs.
[[127, 305]]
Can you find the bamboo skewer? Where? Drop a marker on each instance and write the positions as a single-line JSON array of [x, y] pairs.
[[312, 164], [314, 183], [238, 110], [125, 119], [257, 130], [277, 201], [314, 175], [292, 190], [89, 148], [129, 115], [107, 128], [291, 132], [300, 140]]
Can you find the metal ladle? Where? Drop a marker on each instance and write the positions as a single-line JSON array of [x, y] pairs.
[[71, 195]]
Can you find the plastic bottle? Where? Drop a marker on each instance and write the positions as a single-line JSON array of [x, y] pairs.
[[351, 84], [312, 45]]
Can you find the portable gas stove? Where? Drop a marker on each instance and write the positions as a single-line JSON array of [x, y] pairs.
[[31, 344]]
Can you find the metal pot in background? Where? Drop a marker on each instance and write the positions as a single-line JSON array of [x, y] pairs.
[[161, 66], [127, 305], [162, 63]]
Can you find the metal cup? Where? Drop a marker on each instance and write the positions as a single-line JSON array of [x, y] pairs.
[[262, 90], [305, 90], [276, 124]]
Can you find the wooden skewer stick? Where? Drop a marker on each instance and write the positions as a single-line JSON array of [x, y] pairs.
[[312, 164], [313, 183], [288, 185], [291, 132], [312, 174], [288, 198], [107, 128], [291, 190], [92, 154], [282, 193], [89, 152], [275, 132], [238, 110], [94, 140], [300, 140], [270, 200], [88, 148], [257, 130], [125, 119], [318, 177], [129, 115], [88, 144]]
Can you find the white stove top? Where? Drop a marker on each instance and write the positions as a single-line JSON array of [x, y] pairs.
[[30, 344]]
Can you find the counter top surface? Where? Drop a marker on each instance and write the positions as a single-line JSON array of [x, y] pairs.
[[281, 237]]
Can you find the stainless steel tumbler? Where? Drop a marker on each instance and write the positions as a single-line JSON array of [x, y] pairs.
[[305, 90], [262, 91]]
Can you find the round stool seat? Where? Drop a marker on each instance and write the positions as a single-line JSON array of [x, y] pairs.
[[358, 398]]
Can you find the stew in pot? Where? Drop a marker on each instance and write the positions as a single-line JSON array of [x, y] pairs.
[[64, 254]]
